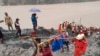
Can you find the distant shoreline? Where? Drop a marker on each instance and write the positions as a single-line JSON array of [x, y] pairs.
[[40, 2]]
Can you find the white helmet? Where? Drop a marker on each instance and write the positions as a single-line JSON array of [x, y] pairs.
[[80, 36]]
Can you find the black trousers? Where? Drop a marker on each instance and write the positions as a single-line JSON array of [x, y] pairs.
[[35, 26], [18, 32], [1, 35]]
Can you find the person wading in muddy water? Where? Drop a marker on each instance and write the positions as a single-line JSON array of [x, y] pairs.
[[80, 43], [34, 21], [17, 26], [8, 21], [65, 35]]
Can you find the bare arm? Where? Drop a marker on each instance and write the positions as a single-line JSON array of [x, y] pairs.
[[5, 20], [38, 51], [37, 17], [1, 21]]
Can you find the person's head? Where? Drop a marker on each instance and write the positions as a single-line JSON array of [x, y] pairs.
[[44, 45], [17, 19], [34, 14], [83, 35], [6, 14], [63, 31], [80, 36], [66, 21]]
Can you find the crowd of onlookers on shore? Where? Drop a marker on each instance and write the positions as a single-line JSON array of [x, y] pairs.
[[74, 29]]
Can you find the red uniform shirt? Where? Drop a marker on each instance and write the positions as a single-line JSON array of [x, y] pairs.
[[80, 46]]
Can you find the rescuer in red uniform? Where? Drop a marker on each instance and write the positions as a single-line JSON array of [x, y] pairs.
[[80, 43]]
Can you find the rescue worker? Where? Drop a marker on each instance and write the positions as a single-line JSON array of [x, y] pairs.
[[80, 43]]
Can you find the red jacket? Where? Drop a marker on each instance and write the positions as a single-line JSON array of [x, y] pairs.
[[80, 46], [47, 52]]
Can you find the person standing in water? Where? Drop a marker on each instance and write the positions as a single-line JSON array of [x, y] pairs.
[[34, 21], [8, 21], [17, 26], [80, 43]]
